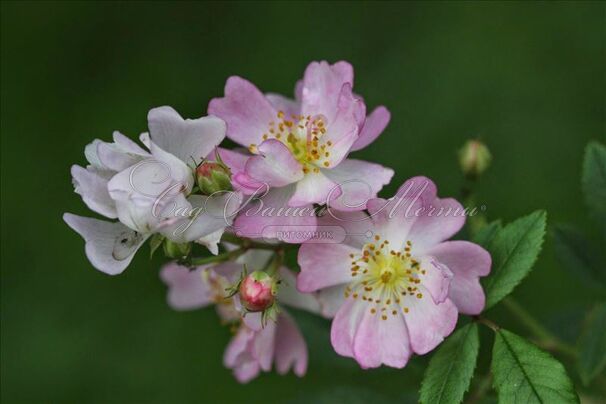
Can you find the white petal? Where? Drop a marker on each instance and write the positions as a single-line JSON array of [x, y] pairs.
[[185, 138], [110, 246]]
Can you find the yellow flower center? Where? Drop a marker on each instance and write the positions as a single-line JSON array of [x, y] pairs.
[[384, 278], [305, 138]]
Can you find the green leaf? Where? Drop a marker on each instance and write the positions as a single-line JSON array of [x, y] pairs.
[[579, 256], [594, 179], [451, 367], [525, 374], [514, 249], [487, 233], [592, 345]]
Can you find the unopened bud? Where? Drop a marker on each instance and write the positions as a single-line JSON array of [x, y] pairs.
[[257, 291], [176, 250], [213, 177], [474, 158]]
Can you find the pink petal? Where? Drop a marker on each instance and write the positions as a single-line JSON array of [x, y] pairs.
[[331, 299], [245, 110], [264, 344], [238, 357], [324, 265], [247, 371], [381, 341], [274, 165], [290, 350], [345, 325], [314, 188], [321, 87], [290, 296], [427, 231], [110, 247], [342, 130], [437, 278], [265, 217], [390, 219], [229, 270], [428, 323], [286, 105], [187, 289], [415, 214], [359, 182], [357, 226], [234, 159], [374, 125], [468, 262]]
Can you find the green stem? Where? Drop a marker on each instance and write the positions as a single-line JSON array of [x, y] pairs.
[[248, 243], [488, 323], [274, 266], [482, 388], [544, 337], [215, 259]]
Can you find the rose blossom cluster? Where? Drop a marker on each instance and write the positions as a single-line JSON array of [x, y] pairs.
[[393, 284]]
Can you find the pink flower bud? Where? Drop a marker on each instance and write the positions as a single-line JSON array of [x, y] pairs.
[[257, 291], [213, 177]]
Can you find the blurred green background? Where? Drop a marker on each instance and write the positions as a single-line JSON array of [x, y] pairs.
[[527, 78]]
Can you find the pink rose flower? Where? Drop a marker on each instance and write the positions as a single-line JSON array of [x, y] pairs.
[[299, 147], [396, 285], [254, 348]]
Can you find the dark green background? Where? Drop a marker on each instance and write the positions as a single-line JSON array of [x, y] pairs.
[[528, 78]]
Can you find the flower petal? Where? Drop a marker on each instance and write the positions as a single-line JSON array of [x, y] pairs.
[[428, 323], [93, 188], [359, 182], [331, 299], [468, 262], [322, 84], [110, 247], [290, 296], [290, 350], [314, 188], [121, 154], [357, 226], [286, 105], [238, 357], [374, 125], [342, 130], [323, 265], [266, 217], [379, 341], [188, 139], [245, 110], [437, 278], [264, 345], [187, 289], [200, 216], [442, 219], [234, 159], [344, 326], [274, 165]]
